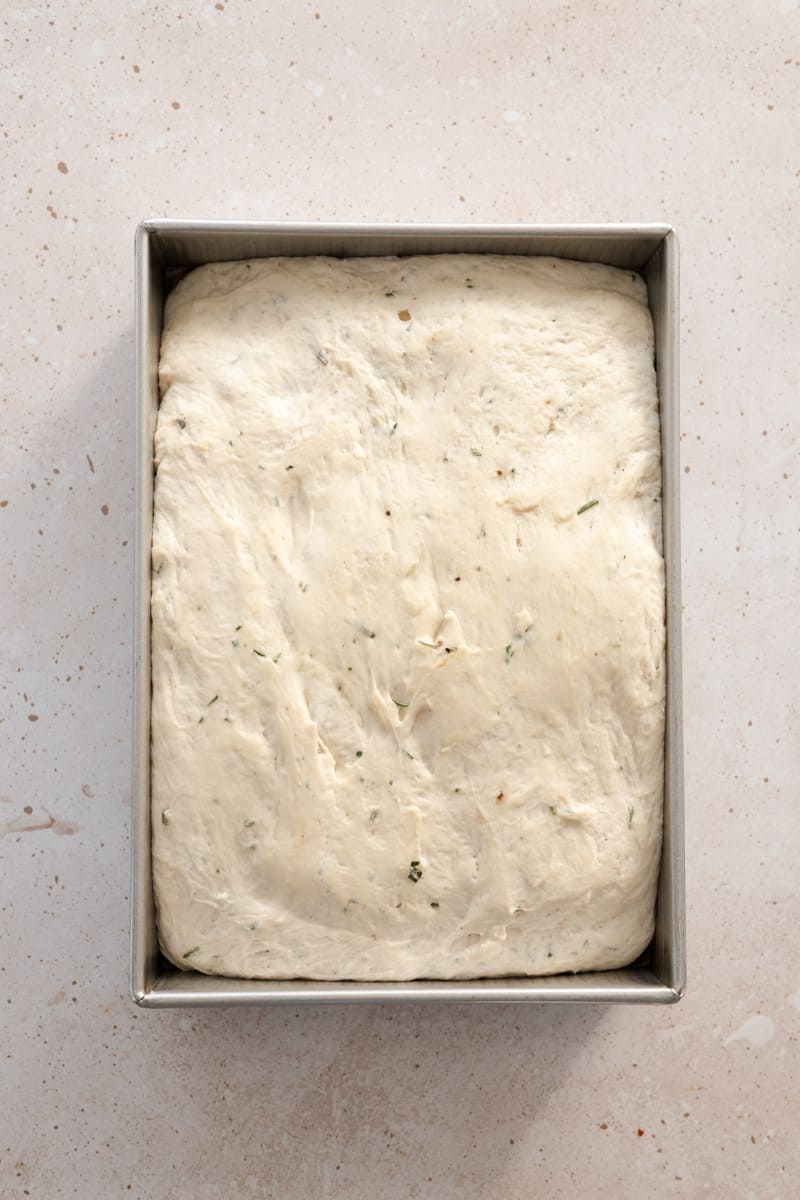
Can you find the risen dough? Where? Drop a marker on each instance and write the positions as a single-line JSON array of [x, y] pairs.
[[407, 701]]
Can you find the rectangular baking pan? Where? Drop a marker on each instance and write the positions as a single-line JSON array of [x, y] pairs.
[[165, 248]]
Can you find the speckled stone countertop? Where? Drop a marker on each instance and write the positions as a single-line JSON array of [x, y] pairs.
[[484, 111]]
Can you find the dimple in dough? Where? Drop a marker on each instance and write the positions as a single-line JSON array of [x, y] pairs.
[[408, 699]]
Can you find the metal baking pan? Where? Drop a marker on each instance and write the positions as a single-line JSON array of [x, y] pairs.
[[166, 247]]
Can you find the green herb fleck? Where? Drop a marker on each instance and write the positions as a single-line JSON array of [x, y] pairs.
[[553, 809], [193, 950], [393, 428], [549, 951], [509, 652], [359, 753], [252, 928], [415, 874], [182, 422], [370, 633], [518, 912], [477, 453], [373, 816], [399, 703], [585, 507], [213, 700], [260, 653], [164, 817], [430, 645], [277, 657], [389, 293], [249, 822], [227, 720], [235, 643], [630, 818], [200, 722], [323, 358], [236, 630], [434, 903], [469, 282]]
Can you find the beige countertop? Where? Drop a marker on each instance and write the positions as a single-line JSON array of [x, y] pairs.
[[486, 111]]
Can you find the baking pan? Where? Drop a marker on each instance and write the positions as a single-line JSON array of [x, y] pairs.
[[166, 247]]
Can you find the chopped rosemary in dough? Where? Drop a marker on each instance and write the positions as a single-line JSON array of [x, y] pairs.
[[388, 472]]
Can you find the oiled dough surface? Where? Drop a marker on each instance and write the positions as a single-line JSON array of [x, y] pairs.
[[383, 635]]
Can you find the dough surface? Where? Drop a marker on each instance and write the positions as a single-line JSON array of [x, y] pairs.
[[408, 701]]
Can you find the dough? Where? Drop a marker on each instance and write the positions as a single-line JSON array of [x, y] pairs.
[[408, 630]]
